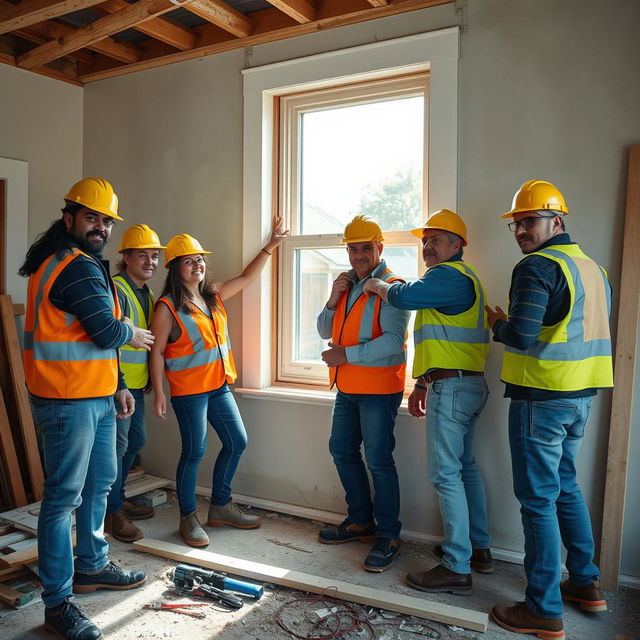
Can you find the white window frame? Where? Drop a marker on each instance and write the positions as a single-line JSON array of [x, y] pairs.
[[436, 52]]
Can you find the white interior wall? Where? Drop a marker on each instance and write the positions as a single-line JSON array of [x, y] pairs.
[[557, 102]]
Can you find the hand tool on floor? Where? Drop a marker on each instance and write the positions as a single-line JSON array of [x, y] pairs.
[[178, 607], [188, 574]]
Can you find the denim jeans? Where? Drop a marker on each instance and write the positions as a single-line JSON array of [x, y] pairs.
[[77, 440], [131, 436], [367, 419], [193, 411], [545, 437], [452, 408]]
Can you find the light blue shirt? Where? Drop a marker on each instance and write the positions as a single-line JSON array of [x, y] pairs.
[[393, 323]]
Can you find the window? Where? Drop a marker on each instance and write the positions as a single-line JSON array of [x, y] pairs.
[[347, 150], [435, 52]]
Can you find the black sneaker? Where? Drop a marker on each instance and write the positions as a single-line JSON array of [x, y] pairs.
[[347, 532], [69, 622], [382, 554], [481, 559], [111, 577]]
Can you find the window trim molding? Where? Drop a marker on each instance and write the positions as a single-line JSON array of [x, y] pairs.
[[436, 51]]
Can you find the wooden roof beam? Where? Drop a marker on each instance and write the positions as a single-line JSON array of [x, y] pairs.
[[15, 16], [47, 31], [94, 32], [300, 10], [174, 34], [223, 16]]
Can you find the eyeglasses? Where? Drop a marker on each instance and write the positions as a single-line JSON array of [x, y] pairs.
[[527, 223], [190, 262]]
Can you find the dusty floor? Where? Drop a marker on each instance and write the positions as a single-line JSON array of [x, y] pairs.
[[121, 615]]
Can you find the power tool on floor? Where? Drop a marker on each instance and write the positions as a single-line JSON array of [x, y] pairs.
[[201, 582]]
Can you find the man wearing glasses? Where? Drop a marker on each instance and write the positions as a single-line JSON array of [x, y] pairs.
[[71, 336], [557, 355]]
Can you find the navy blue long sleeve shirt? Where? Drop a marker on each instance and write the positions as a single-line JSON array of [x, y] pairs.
[[539, 295]]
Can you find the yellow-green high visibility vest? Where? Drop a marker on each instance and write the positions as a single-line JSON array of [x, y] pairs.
[[575, 353], [458, 341], [135, 362]]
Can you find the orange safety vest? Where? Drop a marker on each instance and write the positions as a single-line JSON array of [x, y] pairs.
[[60, 359], [362, 324], [201, 359]]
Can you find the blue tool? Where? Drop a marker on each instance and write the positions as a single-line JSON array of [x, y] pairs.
[[186, 575]]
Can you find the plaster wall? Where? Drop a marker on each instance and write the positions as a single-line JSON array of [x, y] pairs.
[[558, 102]]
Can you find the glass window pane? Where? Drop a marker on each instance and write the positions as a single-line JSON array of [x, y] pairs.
[[365, 159], [315, 271]]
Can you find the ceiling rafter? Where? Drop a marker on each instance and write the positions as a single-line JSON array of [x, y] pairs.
[[28, 12], [222, 15], [300, 10], [48, 31], [91, 33], [174, 34]]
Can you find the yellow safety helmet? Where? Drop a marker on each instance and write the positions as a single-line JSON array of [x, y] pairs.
[[182, 245], [139, 236], [536, 195], [444, 220], [96, 194], [362, 229]]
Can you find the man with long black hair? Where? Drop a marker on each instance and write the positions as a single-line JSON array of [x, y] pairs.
[[72, 333]]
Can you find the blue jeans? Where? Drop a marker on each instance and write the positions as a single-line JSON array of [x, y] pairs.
[[78, 445], [368, 419], [453, 406], [220, 409], [131, 436], [545, 437]]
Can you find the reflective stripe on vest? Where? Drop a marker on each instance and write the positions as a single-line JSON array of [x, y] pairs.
[[459, 341], [134, 363], [360, 325], [201, 359], [575, 353], [60, 359]]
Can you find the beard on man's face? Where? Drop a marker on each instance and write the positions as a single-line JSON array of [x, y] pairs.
[[92, 242]]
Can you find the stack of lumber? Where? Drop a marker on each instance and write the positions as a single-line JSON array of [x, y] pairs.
[[21, 476]]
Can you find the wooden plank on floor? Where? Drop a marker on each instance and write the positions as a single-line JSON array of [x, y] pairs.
[[10, 459], [14, 356], [147, 483], [436, 611], [624, 377]]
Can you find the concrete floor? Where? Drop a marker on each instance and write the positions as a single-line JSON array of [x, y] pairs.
[[121, 615]]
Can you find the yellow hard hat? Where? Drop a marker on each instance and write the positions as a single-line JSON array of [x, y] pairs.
[[444, 220], [96, 194], [139, 236], [362, 229], [182, 245], [536, 195]]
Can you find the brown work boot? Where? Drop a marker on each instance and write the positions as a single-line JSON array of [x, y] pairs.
[[441, 579], [481, 559], [520, 619], [192, 532], [231, 515], [121, 528], [589, 597], [135, 511]]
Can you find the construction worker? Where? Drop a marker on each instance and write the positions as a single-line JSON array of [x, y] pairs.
[[451, 345], [72, 332], [140, 249], [557, 355], [367, 361], [192, 346]]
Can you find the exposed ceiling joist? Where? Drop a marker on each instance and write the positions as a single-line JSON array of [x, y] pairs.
[[103, 27], [174, 34], [48, 31], [300, 10], [222, 15], [28, 12]]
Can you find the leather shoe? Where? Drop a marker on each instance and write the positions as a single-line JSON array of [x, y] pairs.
[[520, 619], [441, 579], [348, 532], [481, 560], [135, 511], [589, 597]]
